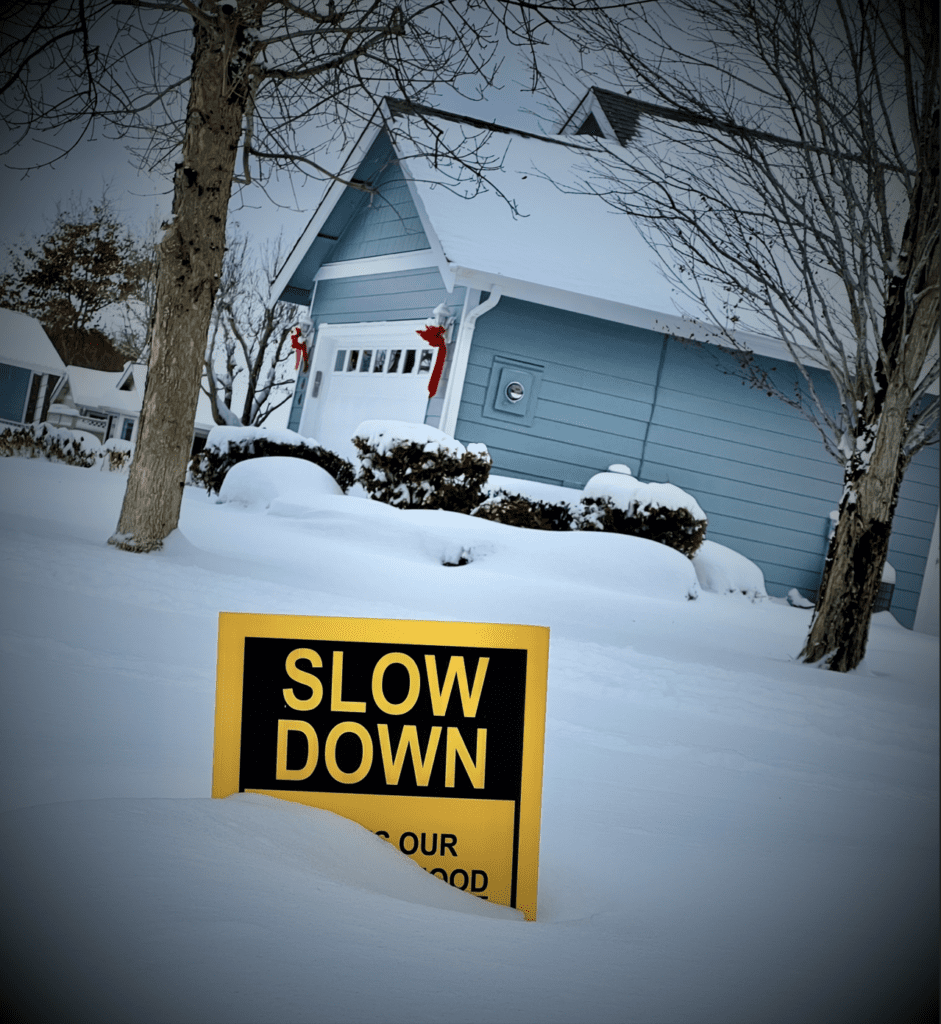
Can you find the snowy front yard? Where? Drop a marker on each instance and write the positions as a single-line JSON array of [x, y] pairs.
[[727, 835]]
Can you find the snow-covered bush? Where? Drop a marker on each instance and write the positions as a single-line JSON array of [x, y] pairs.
[[617, 503], [519, 510], [227, 446], [43, 440], [411, 465], [116, 454]]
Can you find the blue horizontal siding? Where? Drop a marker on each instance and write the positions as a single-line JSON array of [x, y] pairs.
[[592, 410], [386, 222], [911, 532], [406, 295], [756, 465]]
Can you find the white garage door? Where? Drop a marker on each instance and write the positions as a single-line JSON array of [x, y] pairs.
[[365, 372]]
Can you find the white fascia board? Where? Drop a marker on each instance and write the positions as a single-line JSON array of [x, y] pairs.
[[62, 384], [378, 331], [617, 312], [589, 104], [577, 114], [389, 264], [129, 371], [335, 189]]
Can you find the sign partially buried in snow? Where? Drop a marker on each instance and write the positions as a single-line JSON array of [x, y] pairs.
[[429, 734]]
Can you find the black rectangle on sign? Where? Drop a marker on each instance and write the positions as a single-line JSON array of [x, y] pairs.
[[382, 718]]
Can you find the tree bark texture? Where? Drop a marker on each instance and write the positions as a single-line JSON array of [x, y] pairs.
[[191, 255], [858, 549], [874, 470]]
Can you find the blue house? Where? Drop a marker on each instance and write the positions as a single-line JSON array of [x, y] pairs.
[[563, 355], [30, 369]]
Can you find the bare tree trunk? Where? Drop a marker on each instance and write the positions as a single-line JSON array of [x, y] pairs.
[[859, 547], [191, 256]]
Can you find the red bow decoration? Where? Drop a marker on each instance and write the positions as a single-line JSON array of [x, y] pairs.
[[435, 337], [300, 348]]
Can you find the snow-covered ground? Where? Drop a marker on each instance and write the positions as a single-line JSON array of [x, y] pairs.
[[727, 835]]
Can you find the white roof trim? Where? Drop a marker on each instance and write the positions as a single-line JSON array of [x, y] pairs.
[[419, 259], [351, 162], [128, 371], [605, 309], [602, 118], [589, 104], [377, 332]]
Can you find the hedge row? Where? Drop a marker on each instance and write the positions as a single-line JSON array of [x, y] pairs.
[[44, 441]]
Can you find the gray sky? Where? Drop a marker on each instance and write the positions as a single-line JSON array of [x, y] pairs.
[[31, 199]]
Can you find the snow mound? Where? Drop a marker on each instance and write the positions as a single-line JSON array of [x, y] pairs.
[[630, 495], [220, 438], [118, 444], [276, 478], [797, 600], [720, 570], [87, 440], [384, 435]]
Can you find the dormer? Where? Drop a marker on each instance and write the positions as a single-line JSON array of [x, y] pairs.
[[604, 114], [127, 381]]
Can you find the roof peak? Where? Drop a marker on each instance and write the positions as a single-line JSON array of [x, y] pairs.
[[403, 108]]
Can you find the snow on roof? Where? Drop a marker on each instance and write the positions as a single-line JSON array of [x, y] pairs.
[[98, 389], [23, 342], [563, 248], [571, 242]]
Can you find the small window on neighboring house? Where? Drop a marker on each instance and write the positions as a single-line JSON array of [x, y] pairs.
[[424, 363], [394, 357], [365, 361], [409, 361], [47, 401], [127, 430], [354, 359], [33, 398], [14, 390], [341, 356], [380, 363]]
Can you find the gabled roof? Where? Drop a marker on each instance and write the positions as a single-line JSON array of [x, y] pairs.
[[573, 243], [23, 342], [133, 377], [605, 114], [102, 391], [98, 389], [526, 228]]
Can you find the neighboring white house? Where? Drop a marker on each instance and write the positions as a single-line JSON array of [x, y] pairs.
[[93, 400], [109, 404], [36, 386], [30, 369]]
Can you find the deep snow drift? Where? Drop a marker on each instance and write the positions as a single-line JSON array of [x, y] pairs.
[[727, 835]]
